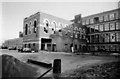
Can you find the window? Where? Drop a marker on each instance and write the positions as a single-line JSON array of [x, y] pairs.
[[96, 19], [75, 46], [46, 28], [83, 22], [112, 47], [54, 26], [96, 28], [30, 28], [112, 16], [96, 38], [107, 47], [35, 26], [25, 45], [112, 26], [33, 44], [92, 38], [26, 29], [101, 38], [107, 37], [88, 30], [112, 37], [106, 26], [116, 24], [92, 28], [101, 27], [117, 15], [91, 21], [101, 18], [87, 21], [118, 37], [106, 18]]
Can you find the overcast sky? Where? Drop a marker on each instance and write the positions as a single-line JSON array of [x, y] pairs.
[[13, 13]]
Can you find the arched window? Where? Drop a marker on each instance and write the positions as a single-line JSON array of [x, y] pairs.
[[47, 23], [60, 25], [35, 26], [35, 23], [30, 27], [54, 25], [26, 29]]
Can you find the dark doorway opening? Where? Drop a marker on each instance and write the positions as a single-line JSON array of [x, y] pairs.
[[44, 42]]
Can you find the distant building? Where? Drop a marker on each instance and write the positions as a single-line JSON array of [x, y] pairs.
[[103, 31], [14, 43]]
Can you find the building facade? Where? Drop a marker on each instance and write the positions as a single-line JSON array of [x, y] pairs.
[[42, 31], [13, 43], [46, 32], [103, 31]]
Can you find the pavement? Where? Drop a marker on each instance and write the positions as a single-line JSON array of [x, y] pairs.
[[69, 61]]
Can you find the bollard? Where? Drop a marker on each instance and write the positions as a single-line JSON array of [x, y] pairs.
[[57, 66]]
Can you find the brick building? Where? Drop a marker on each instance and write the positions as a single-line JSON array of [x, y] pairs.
[[41, 32], [46, 32], [103, 31]]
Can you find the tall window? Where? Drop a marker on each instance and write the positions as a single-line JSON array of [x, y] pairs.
[[91, 21], [106, 26], [96, 28], [96, 38], [101, 27], [30, 28], [101, 38], [112, 26], [118, 37], [46, 28], [53, 27], [112, 16], [92, 39], [106, 18], [83, 22], [107, 37], [92, 28], [35, 26], [87, 21], [101, 18], [112, 37], [116, 24], [96, 19], [26, 29]]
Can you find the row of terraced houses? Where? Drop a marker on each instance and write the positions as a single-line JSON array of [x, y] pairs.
[[97, 32]]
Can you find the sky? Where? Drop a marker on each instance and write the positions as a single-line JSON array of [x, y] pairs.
[[13, 13]]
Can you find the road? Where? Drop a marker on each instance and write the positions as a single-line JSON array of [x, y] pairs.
[[68, 61]]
